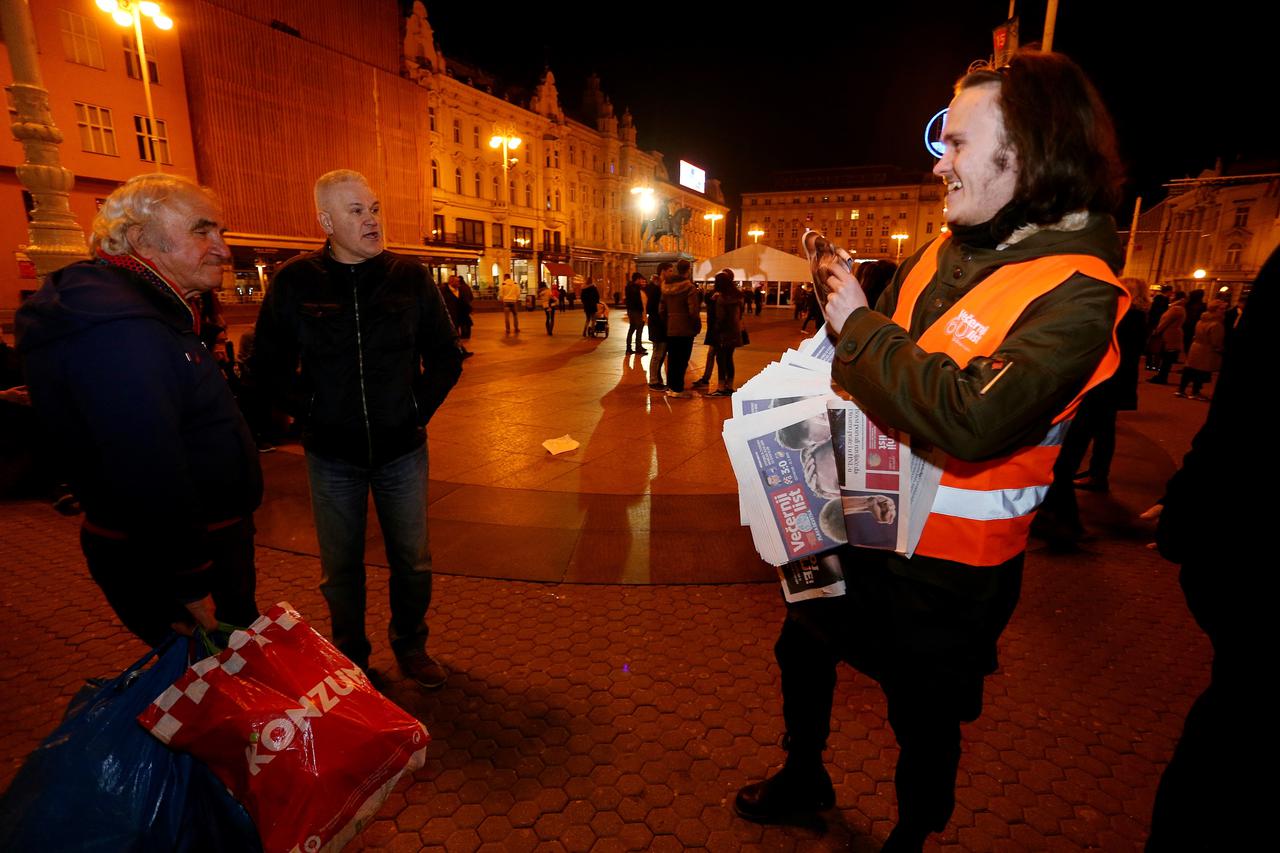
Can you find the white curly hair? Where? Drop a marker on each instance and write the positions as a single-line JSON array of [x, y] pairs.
[[137, 202]]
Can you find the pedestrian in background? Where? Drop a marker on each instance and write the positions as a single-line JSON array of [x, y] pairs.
[[729, 307], [680, 304], [1205, 354], [509, 293], [657, 326], [1168, 334], [635, 300], [709, 339], [547, 299], [590, 301]]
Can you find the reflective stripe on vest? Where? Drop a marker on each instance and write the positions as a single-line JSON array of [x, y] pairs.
[[982, 513]]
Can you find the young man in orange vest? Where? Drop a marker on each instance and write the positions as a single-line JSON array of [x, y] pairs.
[[982, 345]]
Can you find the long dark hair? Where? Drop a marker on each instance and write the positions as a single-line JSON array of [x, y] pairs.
[[1062, 134]]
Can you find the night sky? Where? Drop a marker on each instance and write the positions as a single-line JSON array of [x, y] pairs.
[[816, 85]]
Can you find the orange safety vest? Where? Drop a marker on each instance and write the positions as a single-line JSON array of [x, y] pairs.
[[982, 513]]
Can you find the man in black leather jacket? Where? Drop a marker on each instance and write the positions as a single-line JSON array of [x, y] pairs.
[[356, 342]]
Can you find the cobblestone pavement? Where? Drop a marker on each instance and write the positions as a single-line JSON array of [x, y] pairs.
[[624, 717]]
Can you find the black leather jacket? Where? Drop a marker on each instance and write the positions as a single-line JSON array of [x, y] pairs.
[[362, 353]]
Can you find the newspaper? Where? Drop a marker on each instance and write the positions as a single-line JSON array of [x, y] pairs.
[[785, 465], [819, 576], [820, 346], [886, 489]]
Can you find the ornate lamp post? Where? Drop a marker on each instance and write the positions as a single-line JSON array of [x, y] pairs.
[[56, 238], [713, 218], [900, 236], [507, 140]]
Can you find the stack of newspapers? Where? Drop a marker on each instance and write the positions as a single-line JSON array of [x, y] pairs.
[[814, 472]]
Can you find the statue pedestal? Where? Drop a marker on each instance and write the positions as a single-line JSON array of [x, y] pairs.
[[647, 262]]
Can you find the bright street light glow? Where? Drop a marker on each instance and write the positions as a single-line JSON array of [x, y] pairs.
[[714, 217], [1198, 274], [149, 8], [123, 18], [108, 6], [163, 22]]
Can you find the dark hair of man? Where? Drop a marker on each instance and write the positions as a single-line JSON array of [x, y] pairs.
[[1062, 134], [664, 266], [638, 276], [682, 267]]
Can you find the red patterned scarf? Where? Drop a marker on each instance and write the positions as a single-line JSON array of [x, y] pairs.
[[143, 269]]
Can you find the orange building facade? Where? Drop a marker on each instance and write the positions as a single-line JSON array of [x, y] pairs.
[[90, 67]]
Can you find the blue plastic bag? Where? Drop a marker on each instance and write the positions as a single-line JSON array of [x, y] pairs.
[[100, 782]]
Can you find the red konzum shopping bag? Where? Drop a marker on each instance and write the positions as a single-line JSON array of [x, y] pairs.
[[294, 729]]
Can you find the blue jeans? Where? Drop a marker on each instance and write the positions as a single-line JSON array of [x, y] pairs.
[[339, 501]]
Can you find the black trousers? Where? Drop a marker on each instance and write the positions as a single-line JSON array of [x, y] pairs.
[[929, 646], [679, 350], [138, 583]]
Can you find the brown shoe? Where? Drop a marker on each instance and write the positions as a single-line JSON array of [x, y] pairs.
[[421, 667]]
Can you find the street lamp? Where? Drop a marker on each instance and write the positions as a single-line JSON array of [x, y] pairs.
[[508, 142], [755, 232], [130, 13], [713, 218], [645, 202], [900, 236], [1198, 274]]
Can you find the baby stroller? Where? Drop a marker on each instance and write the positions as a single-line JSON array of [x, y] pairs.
[[600, 323]]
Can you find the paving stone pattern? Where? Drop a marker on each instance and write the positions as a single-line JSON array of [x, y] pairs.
[[592, 717]]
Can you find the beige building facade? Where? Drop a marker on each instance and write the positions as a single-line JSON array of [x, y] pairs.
[[1213, 232], [859, 208]]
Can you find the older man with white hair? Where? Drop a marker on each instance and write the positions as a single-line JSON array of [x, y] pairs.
[[356, 342], [148, 432]]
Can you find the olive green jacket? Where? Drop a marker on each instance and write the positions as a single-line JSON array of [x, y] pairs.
[[1051, 350]]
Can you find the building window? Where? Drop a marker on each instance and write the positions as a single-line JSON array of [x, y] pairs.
[[595, 164], [497, 192], [96, 133], [498, 236], [754, 202], [839, 229], [511, 191], [521, 238], [869, 230], [157, 147], [795, 230], [457, 131], [928, 228], [555, 240], [884, 230], [477, 184], [573, 156], [840, 199], [573, 193], [475, 138], [131, 64], [1242, 217], [904, 195], [437, 226], [855, 197], [548, 200], [457, 181], [528, 195], [431, 118], [839, 215], [471, 232], [853, 214], [1233, 254], [80, 39], [557, 199], [884, 248], [902, 214], [871, 197], [555, 155], [435, 174]]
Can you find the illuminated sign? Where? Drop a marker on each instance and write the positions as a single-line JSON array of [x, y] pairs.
[[692, 177], [933, 134]]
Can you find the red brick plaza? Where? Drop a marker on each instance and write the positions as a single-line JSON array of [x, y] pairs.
[[609, 630]]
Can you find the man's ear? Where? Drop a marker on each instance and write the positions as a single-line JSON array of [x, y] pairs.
[[325, 220], [137, 237]]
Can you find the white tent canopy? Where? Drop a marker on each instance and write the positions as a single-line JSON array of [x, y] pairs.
[[755, 262]]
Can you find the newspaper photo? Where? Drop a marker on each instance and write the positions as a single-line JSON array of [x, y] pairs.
[[786, 469], [819, 576]]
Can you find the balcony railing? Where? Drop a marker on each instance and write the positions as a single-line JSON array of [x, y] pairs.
[[445, 239]]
